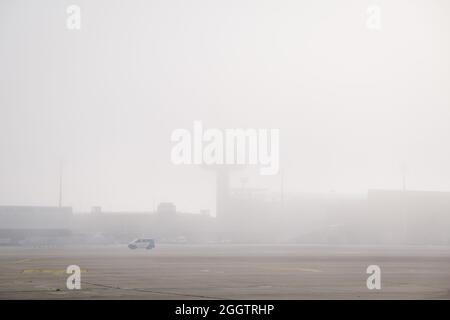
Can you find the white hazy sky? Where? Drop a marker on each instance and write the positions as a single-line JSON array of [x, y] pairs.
[[352, 104]]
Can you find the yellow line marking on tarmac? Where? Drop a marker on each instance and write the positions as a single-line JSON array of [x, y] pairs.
[[309, 270], [21, 261], [291, 269], [51, 271]]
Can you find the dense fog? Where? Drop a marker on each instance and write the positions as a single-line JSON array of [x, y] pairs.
[[226, 121]]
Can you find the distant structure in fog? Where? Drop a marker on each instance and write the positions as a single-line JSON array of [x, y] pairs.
[[413, 217], [26, 223], [222, 191], [166, 224], [96, 210], [167, 209], [248, 215], [222, 187]]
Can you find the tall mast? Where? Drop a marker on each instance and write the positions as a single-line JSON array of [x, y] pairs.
[[60, 183]]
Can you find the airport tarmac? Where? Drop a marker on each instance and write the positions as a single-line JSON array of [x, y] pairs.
[[225, 272]]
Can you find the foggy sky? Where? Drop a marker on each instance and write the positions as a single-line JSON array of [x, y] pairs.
[[353, 105]]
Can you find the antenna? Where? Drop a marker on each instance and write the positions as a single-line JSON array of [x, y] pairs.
[[282, 187], [60, 183], [404, 176]]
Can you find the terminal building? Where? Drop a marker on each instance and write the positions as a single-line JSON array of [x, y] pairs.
[[410, 217], [246, 215], [22, 224], [166, 224], [380, 217]]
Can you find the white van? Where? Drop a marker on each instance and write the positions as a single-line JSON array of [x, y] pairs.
[[142, 243]]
